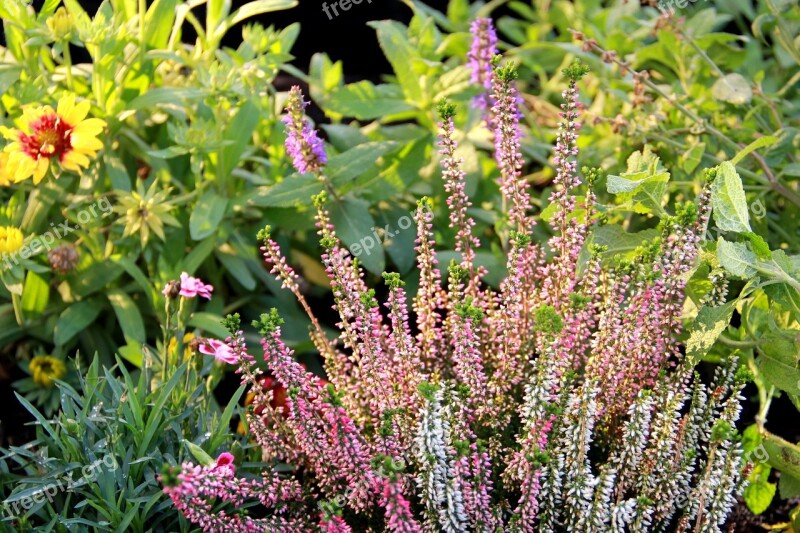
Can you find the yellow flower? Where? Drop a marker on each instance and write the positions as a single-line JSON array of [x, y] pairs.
[[44, 369], [5, 176], [11, 239], [188, 351], [65, 134]]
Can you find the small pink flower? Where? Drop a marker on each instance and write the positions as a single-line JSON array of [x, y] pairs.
[[225, 459], [220, 351], [191, 287]]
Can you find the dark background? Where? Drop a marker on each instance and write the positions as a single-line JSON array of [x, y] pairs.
[[346, 37]]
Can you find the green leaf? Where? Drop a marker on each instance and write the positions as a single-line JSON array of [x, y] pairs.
[[128, 316], [199, 454], [758, 495], [766, 140], [207, 215], [158, 23], [693, 156], [75, 319], [366, 101], [732, 88], [237, 268], [643, 185], [210, 323], [619, 241], [779, 360], [295, 190], [356, 161], [166, 95], [258, 7], [728, 200], [706, 329], [782, 454], [239, 133], [356, 227], [394, 42], [198, 255], [35, 295], [736, 258], [789, 486]]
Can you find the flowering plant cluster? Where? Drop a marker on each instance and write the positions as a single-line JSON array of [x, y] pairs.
[[561, 401]]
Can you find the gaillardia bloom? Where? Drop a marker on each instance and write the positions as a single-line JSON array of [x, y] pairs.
[[45, 369], [11, 239], [44, 134]]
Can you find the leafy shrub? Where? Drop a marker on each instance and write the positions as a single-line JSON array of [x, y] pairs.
[[561, 400]]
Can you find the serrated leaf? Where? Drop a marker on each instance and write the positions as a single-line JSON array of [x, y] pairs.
[[356, 161], [394, 42], [643, 185], [736, 258], [729, 201], [706, 329], [758, 495]]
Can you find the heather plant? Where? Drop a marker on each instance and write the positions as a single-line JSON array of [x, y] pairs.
[[694, 85], [559, 401]]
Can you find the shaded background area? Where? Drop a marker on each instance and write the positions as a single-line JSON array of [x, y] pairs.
[[345, 37]]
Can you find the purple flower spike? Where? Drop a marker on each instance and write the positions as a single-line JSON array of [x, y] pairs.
[[302, 143]]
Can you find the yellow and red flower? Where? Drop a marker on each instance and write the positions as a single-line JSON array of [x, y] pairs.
[[65, 135]]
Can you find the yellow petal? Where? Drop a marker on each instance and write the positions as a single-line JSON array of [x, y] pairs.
[[85, 143], [77, 113], [74, 161], [90, 126], [41, 169], [66, 104], [24, 169]]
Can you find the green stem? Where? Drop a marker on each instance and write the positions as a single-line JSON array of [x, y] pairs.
[[68, 66]]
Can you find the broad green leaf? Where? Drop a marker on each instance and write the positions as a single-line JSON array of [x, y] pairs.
[[394, 42], [128, 315], [782, 454], [35, 295], [643, 185], [293, 191], [75, 319], [365, 101], [758, 495], [693, 156], [166, 95], [732, 88], [736, 258], [356, 228], [728, 200], [239, 132], [207, 214], [356, 161], [619, 241], [779, 360], [789, 486], [706, 329], [210, 323], [94, 278], [198, 255]]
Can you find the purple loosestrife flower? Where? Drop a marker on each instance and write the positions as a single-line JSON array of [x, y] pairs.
[[302, 143], [484, 48]]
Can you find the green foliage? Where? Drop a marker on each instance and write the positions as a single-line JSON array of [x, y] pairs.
[[99, 457]]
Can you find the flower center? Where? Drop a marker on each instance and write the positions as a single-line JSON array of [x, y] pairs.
[[50, 136]]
